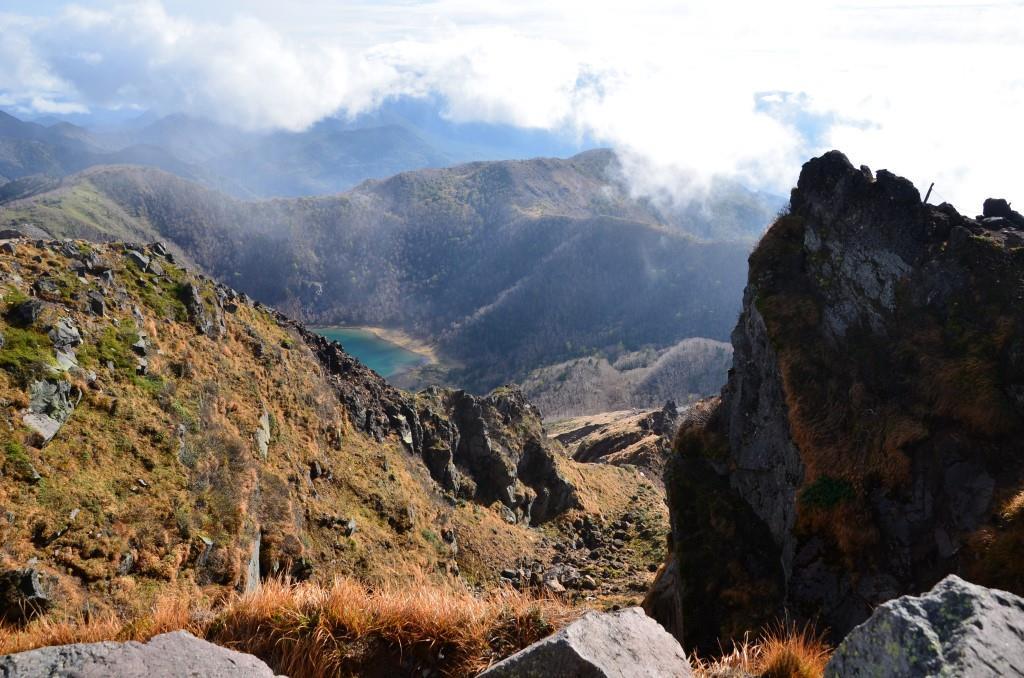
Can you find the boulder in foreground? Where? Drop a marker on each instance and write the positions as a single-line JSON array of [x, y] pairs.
[[956, 629], [170, 655], [623, 643]]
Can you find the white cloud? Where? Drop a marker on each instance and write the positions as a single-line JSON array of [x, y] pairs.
[[929, 88]]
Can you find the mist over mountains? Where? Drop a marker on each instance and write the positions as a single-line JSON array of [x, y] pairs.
[[419, 337], [332, 155], [508, 265]]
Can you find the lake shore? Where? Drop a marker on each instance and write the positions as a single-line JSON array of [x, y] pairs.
[[396, 337]]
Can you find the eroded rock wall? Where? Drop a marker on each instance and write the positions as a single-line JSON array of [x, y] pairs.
[[871, 419]]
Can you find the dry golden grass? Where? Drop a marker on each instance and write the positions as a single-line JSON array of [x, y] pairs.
[[781, 651], [967, 390], [342, 629], [1013, 507]]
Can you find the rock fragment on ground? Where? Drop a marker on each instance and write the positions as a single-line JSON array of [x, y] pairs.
[[956, 629], [616, 644], [177, 654]]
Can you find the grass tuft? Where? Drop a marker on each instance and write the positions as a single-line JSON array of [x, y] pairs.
[[344, 628], [783, 650], [25, 353]]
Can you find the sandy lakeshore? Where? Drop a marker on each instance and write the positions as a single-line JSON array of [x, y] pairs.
[[399, 338]]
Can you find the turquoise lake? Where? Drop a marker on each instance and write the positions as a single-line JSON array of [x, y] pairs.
[[380, 356]]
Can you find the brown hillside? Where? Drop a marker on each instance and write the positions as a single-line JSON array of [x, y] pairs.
[[203, 443]]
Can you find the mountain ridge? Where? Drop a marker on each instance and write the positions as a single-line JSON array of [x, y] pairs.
[[401, 251]]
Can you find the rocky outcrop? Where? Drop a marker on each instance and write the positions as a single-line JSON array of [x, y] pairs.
[[956, 629], [51, 402], [207, 318], [170, 654], [373, 405], [489, 448], [22, 595], [263, 434], [870, 421], [623, 643], [493, 449]]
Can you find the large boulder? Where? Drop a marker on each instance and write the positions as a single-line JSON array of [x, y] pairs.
[[956, 629], [170, 654], [618, 644]]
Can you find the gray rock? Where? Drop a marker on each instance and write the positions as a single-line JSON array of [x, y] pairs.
[[22, 597], [263, 435], [956, 629], [511, 464], [141, 346], [69, 249], [252, 570], [138, 258], [997, 207], [65, 360], [155, 268], [64, 334], [198, 313], [97, 265], [127, 563], [51, 397], [97, 304], [42, 425], [315, 470], [178, 654], [46, 287], [768, 465], [26, 312], [620, 644], [50, 405], [552, 584]]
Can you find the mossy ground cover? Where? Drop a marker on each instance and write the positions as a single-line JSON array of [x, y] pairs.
[[26, 353]]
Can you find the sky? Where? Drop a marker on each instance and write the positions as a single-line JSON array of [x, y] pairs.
[[685, 91]]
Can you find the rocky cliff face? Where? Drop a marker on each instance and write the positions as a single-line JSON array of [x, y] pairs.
[[487, 448], [870, 424]]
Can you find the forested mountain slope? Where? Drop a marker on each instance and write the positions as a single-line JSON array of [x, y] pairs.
[[507, 266]]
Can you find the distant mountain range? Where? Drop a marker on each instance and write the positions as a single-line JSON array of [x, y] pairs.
[[508, 266], [28, 149], [333, 155]]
